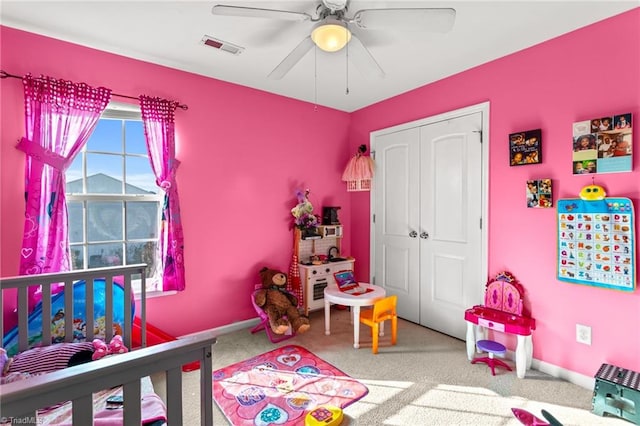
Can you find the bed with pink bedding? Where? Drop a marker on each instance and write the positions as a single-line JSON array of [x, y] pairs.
[[103, 380]]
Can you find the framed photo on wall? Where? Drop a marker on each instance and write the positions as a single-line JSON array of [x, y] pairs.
[[603, 145], [539, 194], [525, 147]]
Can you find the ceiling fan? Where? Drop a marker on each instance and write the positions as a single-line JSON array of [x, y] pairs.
[[333, 29]]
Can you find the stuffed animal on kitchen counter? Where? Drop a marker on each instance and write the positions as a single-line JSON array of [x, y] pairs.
[[279, 305]]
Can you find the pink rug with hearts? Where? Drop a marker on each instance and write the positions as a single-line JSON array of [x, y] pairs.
[[280, 387]]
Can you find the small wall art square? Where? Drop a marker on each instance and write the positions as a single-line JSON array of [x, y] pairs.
[[539, 194], [603, 145], [525, 147]]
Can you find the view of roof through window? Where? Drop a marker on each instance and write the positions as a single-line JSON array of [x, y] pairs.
[[112, 198]]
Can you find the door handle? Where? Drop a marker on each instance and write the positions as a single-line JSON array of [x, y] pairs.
[[413, 234], [424, 235]]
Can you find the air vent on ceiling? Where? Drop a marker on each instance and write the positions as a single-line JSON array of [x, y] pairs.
[[225, 46]]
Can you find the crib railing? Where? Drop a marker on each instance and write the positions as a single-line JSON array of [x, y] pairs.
[[21, 399], [123, 274]]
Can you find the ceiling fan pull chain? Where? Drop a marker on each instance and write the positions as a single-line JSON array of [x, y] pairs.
[[315, 79], [346, 27]]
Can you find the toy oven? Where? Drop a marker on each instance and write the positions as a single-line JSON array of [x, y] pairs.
[[315, 291], [316, 278]]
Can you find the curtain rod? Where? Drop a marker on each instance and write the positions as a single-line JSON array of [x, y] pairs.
[[4, 74]]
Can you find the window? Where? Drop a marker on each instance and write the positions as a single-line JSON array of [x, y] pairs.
[[113, 202]]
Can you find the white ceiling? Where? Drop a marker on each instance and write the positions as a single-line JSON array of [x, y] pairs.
[[170, 32]]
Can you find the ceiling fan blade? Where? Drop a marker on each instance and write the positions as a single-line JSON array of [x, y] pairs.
[[363, 59], [254, 12], [292, 58], [412, 19]]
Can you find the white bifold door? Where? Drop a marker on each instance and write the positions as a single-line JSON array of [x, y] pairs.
[[428, 244]]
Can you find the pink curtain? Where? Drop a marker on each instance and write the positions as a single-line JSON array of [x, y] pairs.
[[159, 130], [59, 118]]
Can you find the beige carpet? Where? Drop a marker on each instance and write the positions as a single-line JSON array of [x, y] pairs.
[[425, 379]]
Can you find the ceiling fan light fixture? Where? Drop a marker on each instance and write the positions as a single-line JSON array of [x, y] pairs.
[[331, 35]]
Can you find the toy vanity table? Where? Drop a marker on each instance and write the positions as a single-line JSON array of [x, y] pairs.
[[502, 311]]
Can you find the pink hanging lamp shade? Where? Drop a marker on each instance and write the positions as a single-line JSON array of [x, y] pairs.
[[359, 171]]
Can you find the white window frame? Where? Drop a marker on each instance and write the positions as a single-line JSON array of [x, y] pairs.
[[120, 111]]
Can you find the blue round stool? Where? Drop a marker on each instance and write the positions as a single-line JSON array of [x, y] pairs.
[[492, 348]]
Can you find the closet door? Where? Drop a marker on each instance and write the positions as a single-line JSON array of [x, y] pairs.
[[428, 201], [450, 228], [396, 215]]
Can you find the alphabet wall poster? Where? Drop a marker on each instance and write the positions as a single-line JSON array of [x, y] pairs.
[[596, 243]]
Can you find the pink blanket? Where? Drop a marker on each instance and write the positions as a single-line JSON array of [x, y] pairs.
[[152, 408]]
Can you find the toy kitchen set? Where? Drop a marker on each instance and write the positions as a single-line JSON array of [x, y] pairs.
[[320, 258]]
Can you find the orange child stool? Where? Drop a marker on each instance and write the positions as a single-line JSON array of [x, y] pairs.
[[384, 309]]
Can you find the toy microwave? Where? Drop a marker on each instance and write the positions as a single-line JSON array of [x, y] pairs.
[[331, 231]]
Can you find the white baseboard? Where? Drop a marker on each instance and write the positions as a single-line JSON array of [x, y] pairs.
[[581, 380], [230, 328]]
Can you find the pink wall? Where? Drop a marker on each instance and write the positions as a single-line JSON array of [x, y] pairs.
[[579, 76], [241, 163], [243, 153]]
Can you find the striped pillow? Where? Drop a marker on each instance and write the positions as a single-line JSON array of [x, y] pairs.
[[47, 358]]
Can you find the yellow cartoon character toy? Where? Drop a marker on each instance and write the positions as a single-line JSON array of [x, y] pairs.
[[592, 193]]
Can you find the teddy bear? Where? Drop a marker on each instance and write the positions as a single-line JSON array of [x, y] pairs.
[[278, 303]]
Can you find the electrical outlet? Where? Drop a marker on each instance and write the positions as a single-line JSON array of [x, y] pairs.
[[583, 334]]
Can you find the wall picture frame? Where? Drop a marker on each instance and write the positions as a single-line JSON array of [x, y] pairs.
[[525, 148], [539, 193], [603, 145]]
